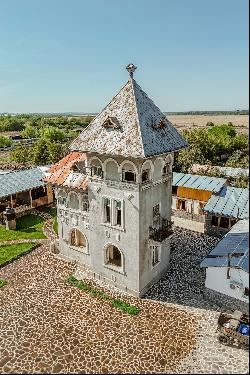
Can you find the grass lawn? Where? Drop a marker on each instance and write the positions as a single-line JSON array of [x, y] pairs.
[[50, 210], [3, 282], [55, 226], [12, 252], [29, 226]]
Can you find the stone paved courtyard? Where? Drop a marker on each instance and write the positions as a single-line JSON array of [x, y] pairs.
[[183, 286], [48, 326]]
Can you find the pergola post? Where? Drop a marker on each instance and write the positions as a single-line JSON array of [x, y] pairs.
[[30, 197]]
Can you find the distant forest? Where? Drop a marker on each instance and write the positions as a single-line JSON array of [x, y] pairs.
[[236, 112]]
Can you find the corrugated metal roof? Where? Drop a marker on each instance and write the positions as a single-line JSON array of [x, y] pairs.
[[18, 181], [236, 243], [213, 184], [230, 202], [139, 134], [62, 174]]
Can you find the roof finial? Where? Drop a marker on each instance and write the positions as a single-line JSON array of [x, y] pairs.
[[131, 68]]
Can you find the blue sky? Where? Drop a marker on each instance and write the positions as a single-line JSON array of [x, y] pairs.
[[70, 55]]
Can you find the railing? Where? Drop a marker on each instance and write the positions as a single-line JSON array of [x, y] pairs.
[[163, 231], [122, 184], [188, 215]]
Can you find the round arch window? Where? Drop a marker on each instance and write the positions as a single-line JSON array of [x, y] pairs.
[[77, 238], [74, 201], [113, 256]]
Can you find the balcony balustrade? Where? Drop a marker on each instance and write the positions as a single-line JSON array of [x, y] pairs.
[[161, 231]]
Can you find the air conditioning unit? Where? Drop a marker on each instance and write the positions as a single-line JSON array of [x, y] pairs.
[[234, 285]]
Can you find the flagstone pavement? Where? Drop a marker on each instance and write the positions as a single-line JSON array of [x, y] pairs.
[[48, 326]]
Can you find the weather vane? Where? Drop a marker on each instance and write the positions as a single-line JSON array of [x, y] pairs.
[[131, 68]]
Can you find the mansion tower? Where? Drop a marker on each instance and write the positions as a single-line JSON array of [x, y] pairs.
[[114, 192]]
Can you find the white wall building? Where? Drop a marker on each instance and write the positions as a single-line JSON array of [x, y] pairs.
[[227, 269], [114, 192]]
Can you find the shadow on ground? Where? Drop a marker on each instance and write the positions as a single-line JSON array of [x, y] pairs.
[[184, 282]]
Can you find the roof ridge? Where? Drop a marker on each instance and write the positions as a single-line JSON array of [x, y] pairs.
[[136, 110]]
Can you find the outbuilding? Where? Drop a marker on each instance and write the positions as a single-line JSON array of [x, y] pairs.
[[227, 269]]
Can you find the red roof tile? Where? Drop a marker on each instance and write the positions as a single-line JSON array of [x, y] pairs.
[[59, 173]]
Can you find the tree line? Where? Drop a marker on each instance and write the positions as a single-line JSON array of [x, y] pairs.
[[21, 122], [216, 145]]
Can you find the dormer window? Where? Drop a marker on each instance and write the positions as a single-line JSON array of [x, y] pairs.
[[161, 124], [111, 123]]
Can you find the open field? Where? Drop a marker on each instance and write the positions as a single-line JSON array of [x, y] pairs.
[[181, 122]]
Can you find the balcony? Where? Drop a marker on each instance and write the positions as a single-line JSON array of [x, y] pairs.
[[162, 231]]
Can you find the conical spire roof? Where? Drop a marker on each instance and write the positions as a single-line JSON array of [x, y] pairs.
[[131, 125]]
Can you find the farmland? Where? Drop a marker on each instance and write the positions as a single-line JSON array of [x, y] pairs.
[[181, 122]]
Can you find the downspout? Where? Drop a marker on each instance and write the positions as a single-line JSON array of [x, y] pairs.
[[228, 265]]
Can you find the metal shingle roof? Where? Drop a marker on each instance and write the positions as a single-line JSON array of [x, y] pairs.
[[198, 182], [18, 181], [236, 241], [139, 134], [231, 202]]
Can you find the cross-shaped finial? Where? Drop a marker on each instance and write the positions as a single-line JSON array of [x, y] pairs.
[[131, 68]]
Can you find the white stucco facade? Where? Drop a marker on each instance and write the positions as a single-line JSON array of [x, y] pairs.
[[131, 236], [216, 279]]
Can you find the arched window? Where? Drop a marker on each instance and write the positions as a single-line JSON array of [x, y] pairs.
[[128, 172], [146, 173], [113, 256], [77, 238], [166, 169], [74, 201], [96, 168], [111, 170], [85, 205], [61, 197], [158, 168]]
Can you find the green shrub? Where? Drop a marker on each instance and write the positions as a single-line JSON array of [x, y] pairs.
[[5, 141], [119, 304], [3, 282]]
